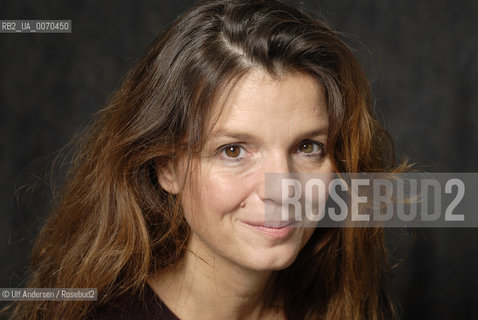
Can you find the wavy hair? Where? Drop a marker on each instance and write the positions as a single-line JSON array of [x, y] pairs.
[[113, 225]]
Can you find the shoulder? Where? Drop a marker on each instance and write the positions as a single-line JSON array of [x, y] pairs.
[[139, 306]]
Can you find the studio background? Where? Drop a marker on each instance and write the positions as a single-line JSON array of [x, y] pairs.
[[421, 57]]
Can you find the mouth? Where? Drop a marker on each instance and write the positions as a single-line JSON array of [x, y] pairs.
[[274, 229], [273, 224]]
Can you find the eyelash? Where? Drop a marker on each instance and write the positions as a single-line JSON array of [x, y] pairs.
[[317, 154], [221, 151], [320, 146]]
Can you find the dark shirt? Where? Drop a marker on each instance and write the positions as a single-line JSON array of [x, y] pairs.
[[136, 307]]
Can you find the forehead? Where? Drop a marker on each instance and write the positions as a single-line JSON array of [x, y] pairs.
[[258, 100]]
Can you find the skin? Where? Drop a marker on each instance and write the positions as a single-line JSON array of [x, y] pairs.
[[266, 125]]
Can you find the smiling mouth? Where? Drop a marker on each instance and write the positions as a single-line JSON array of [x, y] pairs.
[[274, 229], [272, 224]]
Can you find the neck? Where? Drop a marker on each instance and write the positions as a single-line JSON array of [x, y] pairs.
[[211, 288]]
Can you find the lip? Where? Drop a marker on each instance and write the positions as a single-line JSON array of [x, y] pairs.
[[273, 229]]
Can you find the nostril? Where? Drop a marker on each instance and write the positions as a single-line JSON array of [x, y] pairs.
[[280, 186]]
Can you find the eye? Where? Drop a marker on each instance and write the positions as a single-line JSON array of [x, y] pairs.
[[232, 151], [311, 148]]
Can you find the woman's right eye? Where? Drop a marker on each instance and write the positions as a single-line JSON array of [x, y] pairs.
[[232, 152]]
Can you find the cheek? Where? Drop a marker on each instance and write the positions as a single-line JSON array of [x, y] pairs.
[[228, 191], [214, 197]]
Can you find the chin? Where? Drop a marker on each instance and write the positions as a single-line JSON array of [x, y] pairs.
[[273, 261]]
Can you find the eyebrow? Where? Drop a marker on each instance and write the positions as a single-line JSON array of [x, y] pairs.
[[314, 133], [231, 134]]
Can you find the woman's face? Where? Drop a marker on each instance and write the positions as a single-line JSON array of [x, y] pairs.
[[266, 125]]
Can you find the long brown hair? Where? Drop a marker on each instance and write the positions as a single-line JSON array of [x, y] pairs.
[[114, 225]]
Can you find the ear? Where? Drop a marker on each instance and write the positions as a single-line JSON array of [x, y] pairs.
[[168, 177]]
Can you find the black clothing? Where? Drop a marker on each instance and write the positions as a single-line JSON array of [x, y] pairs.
[[135, 308]]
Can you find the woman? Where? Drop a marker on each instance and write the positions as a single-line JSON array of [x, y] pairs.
[[163, 206]]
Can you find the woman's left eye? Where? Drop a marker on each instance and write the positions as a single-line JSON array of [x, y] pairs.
[[311, 148]]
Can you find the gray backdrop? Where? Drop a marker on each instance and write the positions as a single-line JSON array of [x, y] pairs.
[[421, 57]]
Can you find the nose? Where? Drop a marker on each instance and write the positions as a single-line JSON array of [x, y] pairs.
[[275, 167]]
